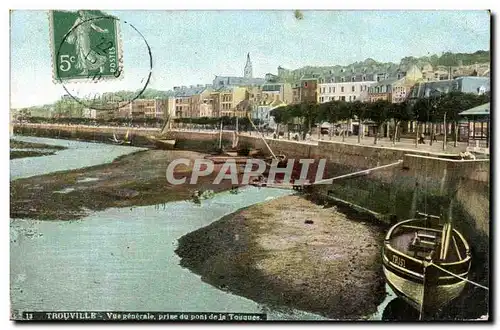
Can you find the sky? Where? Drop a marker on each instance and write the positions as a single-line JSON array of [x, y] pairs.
[[191, 47]]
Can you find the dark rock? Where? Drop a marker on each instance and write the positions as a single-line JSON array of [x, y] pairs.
[[308, 222]]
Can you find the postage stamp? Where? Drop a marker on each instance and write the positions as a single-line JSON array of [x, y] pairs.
[[284, 165], [85, 45]]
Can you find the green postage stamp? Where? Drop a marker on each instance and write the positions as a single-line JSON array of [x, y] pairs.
[[86, 45]]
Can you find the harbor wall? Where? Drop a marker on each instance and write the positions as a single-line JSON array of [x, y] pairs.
[[389, 191]]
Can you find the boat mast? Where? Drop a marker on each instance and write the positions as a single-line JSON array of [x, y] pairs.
[[220, 135], [262, 137]]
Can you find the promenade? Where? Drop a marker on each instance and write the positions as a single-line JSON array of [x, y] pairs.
[[404, 143]]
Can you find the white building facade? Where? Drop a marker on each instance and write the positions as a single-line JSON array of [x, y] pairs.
[[263, 113], [351, 89]]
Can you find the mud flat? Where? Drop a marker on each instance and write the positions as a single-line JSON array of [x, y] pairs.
[[292, 252], [133, 180], [31, 149]]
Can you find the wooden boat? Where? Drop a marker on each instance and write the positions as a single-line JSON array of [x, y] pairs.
[[421, 257], [231, 153], [125, 140], [220, 159], [165, 144]]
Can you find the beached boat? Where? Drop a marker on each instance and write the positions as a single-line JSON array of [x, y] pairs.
[[125, 140], [426, 262], [165, 144]]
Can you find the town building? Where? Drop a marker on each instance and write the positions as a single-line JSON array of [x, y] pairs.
[[248, 71], [225, 100], [246, 80], [395, 89], [296, 88], [262, 113], [200, 102], [345, 88], [170, 107], [143, 108], [183, 102], [271, 92], [306, 90], [475, 85]]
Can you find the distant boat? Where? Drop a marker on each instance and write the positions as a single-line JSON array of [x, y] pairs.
[[421, 257], [126, 140], [165, 144]]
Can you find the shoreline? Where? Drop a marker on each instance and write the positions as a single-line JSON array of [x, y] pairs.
[[29, 149], [135, 179], [269, 253]]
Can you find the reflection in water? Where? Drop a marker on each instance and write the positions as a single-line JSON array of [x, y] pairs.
[[78, 155], [399, 310], [124, 259]]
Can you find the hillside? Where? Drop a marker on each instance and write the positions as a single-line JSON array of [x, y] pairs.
[[371, 65]]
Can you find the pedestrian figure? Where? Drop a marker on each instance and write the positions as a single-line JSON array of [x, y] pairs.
[[421, 140]]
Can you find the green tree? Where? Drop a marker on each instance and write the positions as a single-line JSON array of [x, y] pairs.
[[378, 112], [360, 110], [399, 112]]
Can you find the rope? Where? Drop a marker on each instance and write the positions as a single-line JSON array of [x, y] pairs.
[[368, 171], [459, 277], [263, 137]]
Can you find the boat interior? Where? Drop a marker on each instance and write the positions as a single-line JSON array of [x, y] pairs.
[[419, 241]]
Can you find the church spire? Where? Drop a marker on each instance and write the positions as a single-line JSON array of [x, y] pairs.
[[248, 68]]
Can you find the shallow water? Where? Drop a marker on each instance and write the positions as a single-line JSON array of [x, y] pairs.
[[124, 259], [78, 155], [120, 258]]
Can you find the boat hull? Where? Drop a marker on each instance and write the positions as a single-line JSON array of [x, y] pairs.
[[412, 291], [426, 285], [165, 144]]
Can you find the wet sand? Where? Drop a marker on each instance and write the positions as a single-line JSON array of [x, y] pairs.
[[133, 180], [292, 252], [31, 153]]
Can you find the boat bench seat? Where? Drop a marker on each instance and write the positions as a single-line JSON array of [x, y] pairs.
[[423, 242]]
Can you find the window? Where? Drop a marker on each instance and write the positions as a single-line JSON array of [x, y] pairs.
[[349, 98], [364, 77], [353, 78], [342, 98], [334, 89], [342, 79], [353, 88], [329, 89], [305, 84], [342, 89], [354, 98]]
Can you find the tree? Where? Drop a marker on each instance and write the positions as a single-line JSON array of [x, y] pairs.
[[281, 116], [360, 110], [425, 110], [378, 112], [399, 112], [453, 103]]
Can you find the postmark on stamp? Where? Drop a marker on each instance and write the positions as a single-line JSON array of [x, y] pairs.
[[85, 45]]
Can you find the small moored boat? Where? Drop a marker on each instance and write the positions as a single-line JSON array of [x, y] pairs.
[[426, 262]]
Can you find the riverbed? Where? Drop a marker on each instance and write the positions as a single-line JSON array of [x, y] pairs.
[[119, 258]]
